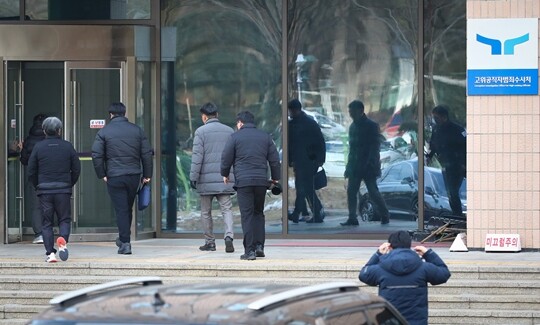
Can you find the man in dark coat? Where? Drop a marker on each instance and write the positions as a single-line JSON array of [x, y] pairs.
[[35, 135], [307, 152], [119, 153], [449, 144], [250, 151], [53, 169], [363, 164], [402, 276]]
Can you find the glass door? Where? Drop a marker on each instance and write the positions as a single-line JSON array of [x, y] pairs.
[[90, 88]]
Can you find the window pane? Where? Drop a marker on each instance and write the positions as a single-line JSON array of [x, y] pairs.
[[9, 10], [227, 52], [444, 82], [345, 50], [87, 9]]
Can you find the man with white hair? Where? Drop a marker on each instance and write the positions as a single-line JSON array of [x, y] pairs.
[[53, 169]]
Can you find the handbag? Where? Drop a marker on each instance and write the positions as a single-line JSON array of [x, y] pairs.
[[143, 196], [319, 179]]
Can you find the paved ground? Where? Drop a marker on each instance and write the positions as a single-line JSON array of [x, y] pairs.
[[278, 251]]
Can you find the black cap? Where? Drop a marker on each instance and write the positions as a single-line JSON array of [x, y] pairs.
[[209, 109], [117, 109]]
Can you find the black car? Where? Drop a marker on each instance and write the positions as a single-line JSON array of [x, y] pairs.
[[398, 185], [148, 301]]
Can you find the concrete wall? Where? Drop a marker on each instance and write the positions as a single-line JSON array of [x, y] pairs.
[[503, 145]]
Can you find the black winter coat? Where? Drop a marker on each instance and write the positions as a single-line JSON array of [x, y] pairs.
[[307, 147], [35, 135], [364, 149], [54, 166], [449, 143], [402, 277], [120, 148], [250, 151]]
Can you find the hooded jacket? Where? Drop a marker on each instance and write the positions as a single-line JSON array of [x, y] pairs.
[[402, 277], [35, 135]]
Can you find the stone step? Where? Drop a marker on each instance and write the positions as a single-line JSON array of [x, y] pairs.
[[21, 312], [233, 269], [484, 316], [487, 287], [499, 302]]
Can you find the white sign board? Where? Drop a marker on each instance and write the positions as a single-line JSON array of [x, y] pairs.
[[97, 124], [502, 56], [503, 243]]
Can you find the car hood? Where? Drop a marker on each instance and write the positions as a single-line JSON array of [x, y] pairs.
[[400, 261]]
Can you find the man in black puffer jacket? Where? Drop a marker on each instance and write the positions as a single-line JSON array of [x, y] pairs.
[[53, 169], [120, 153], [250, 151], [402, 275]]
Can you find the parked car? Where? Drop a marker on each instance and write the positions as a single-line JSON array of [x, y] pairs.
[[398, 185], [331, 130], [148, 301], [335, 158]]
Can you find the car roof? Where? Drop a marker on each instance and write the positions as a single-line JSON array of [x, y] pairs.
[[206, 303]]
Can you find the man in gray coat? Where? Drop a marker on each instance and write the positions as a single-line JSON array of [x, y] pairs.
[[205, 176]]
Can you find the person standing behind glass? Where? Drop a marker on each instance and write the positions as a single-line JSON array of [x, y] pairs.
[[35, 135], [250, 151], [53, 169], [307, 152], [363, 164], [205, 176], [449, 144], [119, 153]]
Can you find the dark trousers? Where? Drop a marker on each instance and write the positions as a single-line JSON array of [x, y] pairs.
[[374, 195], [36, 210], [251, 204], [49, 205], [122, 191], [303, 182], [453, 177]]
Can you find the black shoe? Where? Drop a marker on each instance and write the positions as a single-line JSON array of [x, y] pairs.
[[118, 242], [314, 220], [125, 249], [293, 217], [350, 222], [208, 247], [259, 251], [229, 248], [248, 256]]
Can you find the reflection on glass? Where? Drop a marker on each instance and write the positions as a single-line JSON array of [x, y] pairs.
[[9, 10], [350, 50], [444, 83], [87, 9], [227, 52]]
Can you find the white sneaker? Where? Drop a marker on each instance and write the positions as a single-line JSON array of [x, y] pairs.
[[38, 240], [51, 258]]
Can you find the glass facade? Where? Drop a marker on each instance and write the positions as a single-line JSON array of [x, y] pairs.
[[86, 9], [230, 52]]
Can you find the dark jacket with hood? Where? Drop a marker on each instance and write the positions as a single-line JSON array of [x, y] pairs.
[[53, 167], [402, 277], [35, 135]]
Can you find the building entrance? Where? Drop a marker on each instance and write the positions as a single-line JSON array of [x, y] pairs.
[[79, 93]]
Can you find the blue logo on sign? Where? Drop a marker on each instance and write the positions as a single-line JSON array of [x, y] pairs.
[[496, 45]]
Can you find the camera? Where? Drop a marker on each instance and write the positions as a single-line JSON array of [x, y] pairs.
[[275, 188]]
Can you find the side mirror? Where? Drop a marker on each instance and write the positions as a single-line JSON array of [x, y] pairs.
[[430, 191], [407, 180]]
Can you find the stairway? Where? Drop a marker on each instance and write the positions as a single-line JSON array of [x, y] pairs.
[[473, 295]]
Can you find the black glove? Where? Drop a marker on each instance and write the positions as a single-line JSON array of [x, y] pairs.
[[193, 184]]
